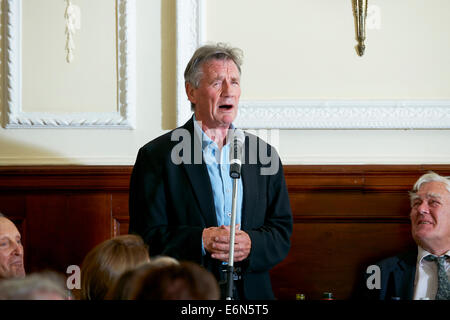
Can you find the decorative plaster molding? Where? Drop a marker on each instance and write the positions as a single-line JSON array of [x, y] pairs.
[[72, 24], [126, 50], [304, 114], [375, 114], [190, 33]]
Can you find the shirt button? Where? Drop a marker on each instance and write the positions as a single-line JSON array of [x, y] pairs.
[[229, 214]]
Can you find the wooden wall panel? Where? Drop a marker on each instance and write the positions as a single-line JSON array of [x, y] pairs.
[[345, 217], [62, 228], [120, 213], [348, 203], [14, 204], [330, 257]]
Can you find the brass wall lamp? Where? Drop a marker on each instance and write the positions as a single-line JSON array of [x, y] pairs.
[[360, 13]]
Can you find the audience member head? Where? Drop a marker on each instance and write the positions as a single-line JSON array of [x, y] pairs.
[[104, 264], [11, 250], [36, 286], [162, 261], [122, 290], [430, 213], [185, 281]]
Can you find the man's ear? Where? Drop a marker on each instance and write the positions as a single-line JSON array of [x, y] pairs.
[[190, 92]]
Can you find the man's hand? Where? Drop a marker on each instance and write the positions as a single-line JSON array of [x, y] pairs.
[[217, 242]]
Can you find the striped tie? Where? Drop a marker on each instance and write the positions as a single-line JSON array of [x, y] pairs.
[[443, 291]]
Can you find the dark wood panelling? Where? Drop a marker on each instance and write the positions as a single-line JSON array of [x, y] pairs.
[[103, 178], [348, 203], [330, 257], [120, 213], [345, 217], [13, 203], [62, 228]]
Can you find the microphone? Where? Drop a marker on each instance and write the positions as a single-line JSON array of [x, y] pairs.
[[237, 142], [236, 153]]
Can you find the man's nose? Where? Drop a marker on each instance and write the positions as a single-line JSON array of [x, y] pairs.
[[18, 249], [227, 88], [423, 208]]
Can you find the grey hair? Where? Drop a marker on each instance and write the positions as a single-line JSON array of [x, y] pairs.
[[220, 51], [430, 176], [33, 286], [2, 215]]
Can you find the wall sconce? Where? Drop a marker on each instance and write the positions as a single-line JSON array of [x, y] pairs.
[[360, 13]]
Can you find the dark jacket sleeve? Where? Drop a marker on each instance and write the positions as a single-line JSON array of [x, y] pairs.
[[152, 210]]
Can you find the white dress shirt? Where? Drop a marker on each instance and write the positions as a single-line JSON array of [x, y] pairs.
[[426, 281]]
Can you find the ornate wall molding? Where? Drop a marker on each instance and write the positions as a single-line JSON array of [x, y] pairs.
[[124, 118], [344, 114], [71, 27], [304, 114], [190, 33]]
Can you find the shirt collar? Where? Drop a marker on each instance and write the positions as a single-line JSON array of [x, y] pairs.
[[200, 134], [422, 253]]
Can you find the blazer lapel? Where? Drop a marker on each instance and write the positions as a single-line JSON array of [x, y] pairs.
[[405, 279], [199, 178]]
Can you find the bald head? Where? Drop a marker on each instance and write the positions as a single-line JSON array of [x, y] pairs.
[[11, 250]]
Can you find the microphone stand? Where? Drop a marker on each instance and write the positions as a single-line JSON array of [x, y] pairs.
[[235, 174], [230, 267]]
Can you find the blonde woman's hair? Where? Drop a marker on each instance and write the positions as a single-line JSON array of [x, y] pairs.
[[105, 263]]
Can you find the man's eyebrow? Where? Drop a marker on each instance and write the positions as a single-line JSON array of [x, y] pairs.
[[215, 78], [414, 196], [433, 195]]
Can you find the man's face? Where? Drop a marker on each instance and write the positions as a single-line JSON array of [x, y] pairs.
[[217, 97], [430, 216], [11, 251]]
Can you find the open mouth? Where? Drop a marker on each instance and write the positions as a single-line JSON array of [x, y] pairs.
[[226, 107]]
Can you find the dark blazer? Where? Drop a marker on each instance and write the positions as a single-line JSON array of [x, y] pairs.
[[397, 278], [170, 205]]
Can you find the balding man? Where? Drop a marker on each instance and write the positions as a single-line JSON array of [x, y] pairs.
[[11, 250]]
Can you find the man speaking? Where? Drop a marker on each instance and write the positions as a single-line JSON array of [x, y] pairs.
[[181, 188]]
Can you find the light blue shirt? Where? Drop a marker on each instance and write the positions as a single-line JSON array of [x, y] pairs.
[[218, 165]]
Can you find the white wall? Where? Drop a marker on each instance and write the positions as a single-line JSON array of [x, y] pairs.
[[156, 86], [306, 49], [49, 83]]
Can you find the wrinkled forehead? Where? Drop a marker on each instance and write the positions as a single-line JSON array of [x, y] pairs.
[[225, 63], [434, 186], [428, 195]]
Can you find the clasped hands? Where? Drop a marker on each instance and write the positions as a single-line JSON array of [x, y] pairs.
[[216, 241]]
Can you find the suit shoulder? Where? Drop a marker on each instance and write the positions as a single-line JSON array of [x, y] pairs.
[[405, 257], [159, 146]]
